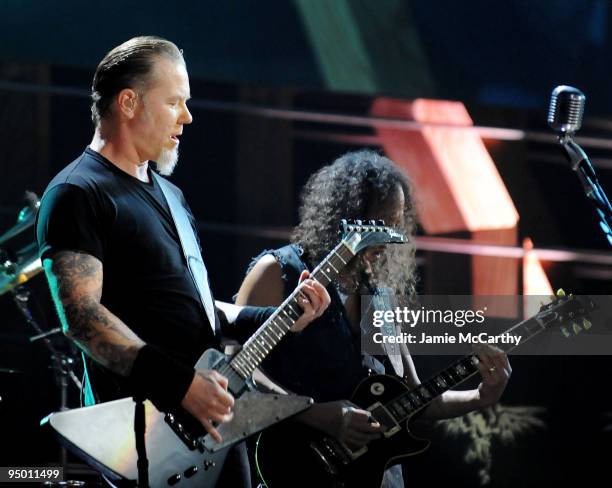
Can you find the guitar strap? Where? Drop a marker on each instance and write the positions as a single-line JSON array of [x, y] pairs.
[[382, 300], [140, 427], [191, 248]]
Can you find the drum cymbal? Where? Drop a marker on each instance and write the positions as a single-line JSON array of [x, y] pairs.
[[9, 371], [27, 266]]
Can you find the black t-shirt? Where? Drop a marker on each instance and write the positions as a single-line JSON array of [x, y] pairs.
[[94, 207]]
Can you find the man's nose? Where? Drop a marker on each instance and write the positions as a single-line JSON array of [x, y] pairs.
[[186, 117]]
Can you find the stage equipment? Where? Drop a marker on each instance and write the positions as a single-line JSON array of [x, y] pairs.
[[565, 117]]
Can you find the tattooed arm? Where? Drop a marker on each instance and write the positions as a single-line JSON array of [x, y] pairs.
[[75, 280]]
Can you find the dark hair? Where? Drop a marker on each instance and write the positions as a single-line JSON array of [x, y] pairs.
[[128, 65], [355, 186]]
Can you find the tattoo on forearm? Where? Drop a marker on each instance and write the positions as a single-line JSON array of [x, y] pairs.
[[76, 286], [119, 358]]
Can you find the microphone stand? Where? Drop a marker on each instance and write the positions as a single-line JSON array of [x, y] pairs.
[[581, 164]]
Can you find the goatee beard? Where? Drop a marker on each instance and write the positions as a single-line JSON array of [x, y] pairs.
[[167, 161]]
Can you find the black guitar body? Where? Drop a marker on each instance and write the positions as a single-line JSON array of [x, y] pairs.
[[291, 454]]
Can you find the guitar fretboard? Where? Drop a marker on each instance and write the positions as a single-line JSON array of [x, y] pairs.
[[272, 331], [418, 398]]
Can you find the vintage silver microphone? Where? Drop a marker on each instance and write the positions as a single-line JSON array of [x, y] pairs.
[[566, 110]]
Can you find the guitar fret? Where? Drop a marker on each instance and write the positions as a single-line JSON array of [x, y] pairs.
[[537, 326], [400, 409], [392, 407], [272, 340], [278, 327], [289, 317], [450, 377], [248, 368], [325, 274], [425, 393], [252, 349], [434, 387], [467, 366], [340, 258], [263, 345], [405, 403], [338, 264], [235, 364], [439, 383], [419, 397], [320, 276], [290, 308], [414, 399], [259, 355], [247, 359], [461, 370], [251, 356]]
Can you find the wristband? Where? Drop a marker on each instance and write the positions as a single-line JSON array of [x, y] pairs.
[[247, 321], [253, 316], [160, 378]]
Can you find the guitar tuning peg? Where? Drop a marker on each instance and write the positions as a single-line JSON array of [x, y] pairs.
[[586, 325], [358, 222], [576, 328], [560, 293], [565, 332], [372, 222], [380, 222]]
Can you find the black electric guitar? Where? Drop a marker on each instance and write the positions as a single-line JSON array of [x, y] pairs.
[[293, 454], [178, 449]]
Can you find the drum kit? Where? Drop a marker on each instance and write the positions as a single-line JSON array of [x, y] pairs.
[[17, 266], [19, 263]]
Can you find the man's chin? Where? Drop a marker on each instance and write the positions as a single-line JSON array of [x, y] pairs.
[[166, 162]]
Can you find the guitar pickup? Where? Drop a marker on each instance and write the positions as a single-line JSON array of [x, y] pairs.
[[192, 442], [385, 419]]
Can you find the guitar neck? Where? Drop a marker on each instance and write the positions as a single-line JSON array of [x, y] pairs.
[[418, 398], [261, 343]]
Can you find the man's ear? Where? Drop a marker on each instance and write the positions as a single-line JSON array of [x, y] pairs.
[[127, 100]]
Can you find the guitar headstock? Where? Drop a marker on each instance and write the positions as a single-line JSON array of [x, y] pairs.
[[570, 312], [359, 235]]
